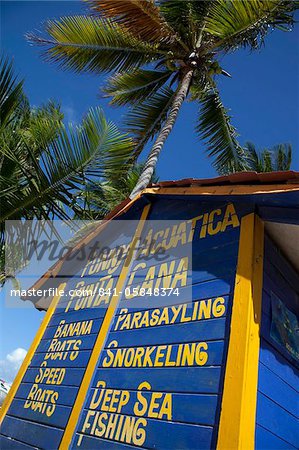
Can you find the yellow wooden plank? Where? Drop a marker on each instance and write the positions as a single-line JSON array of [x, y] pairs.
[[222, 190], [238, 411], [98, 346], [17, 381], [54, 270]]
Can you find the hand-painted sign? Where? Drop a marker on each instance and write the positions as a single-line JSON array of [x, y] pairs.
[[138, 360]]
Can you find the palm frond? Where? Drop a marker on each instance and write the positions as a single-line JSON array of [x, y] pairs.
[[93, 149], [215, 129], [186, 17], [42, 127], [10, 91], [282, 156], [146, 119], [180, 16], [245, 23], [276, 158], [253, 157], [136, 86], [28, 128], [102, 197], [140, 17], [87, 44]]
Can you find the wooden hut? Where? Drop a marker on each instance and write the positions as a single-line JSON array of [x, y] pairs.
[[213, 363]]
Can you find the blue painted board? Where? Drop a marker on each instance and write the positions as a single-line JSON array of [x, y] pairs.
[[33, 434], [193, 275], [166, 435], [199, 258], [199, 380], [274, 214], [73, 315], [277, 420], [279, 365], [86, 343], [51, 330], [90, 443], [274, 282], [212, 329], [57, 419], [219, 246], [204, 290], [11, 444], [266, 303], [214, 349], [277, 414], [170, 316], [72, 377], [184, 207], [265, 440], [195, 390], [66, 394], [277, 347], [187, 408], [280, 392], [53, 359], [274, 256]]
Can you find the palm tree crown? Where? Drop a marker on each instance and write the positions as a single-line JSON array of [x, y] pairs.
[[268, 160], [100, 198], [161, 52], [43, 163]]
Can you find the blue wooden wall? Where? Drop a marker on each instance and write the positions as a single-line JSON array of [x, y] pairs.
[[277, 419], [162, 401], [195, 390], [53, 377]]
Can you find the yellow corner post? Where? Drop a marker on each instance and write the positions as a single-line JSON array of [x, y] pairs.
[[39, 335], [98, 346], [238, 411]]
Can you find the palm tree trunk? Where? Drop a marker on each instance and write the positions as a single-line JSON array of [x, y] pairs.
[[152, 159]]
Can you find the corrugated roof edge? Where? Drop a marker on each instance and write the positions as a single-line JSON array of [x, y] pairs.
[[250, 178]]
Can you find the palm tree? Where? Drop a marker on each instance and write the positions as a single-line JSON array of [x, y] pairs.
[[268, 160], [100, 198], [160, 53], [43, 163], [10, 92]]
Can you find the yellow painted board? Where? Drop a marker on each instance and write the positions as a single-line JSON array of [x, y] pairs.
[[222, 190], [74, 417], [38, 337], [238, 410]]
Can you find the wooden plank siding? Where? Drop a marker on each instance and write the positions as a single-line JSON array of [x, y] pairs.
[[150, 372], [277, 419], [196, 390]]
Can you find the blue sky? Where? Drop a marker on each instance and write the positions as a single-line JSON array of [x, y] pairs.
[[262, 95]]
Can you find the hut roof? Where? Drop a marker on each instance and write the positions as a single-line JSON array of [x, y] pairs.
[[241, 183], [239, 178]]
